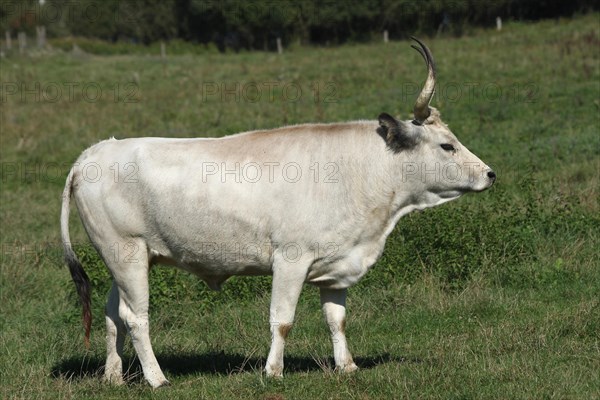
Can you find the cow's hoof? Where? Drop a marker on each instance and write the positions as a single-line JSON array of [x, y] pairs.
[[114, 379], [274, 372], [159, 383], [162, 383], [346, 369]]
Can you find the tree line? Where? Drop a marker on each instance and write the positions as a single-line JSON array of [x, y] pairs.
[[255, 24]]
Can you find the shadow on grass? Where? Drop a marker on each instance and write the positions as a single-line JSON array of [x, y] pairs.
[[209, 363]]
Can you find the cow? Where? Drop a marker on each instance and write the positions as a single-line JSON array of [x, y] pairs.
[[310, 203]]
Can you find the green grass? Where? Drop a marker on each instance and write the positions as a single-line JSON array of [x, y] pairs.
[[496, 295]]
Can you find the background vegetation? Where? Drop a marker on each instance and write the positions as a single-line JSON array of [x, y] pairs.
[[494, 296], [257, 23]]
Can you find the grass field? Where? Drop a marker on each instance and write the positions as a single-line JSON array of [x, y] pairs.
[[496, 295]]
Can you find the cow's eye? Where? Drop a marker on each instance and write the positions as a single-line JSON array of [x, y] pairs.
[[447, 147]]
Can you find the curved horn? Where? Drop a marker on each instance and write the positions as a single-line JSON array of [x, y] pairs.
[[421, 110]]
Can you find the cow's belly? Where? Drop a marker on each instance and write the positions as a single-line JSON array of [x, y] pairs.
[[210, 243], [217, 263]]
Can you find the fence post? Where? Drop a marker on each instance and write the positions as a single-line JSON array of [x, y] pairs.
[[22, 42], [386, 37], [41, 36], [279, 46], [8, 40]]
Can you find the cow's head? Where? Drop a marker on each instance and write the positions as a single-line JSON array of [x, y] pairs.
[[429, 156]]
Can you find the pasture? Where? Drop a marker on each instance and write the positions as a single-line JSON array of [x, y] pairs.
[[495, 295]]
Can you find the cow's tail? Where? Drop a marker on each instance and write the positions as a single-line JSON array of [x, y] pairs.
[[80, 278]]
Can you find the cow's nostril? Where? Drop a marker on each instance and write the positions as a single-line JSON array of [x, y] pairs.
[[491, 175]]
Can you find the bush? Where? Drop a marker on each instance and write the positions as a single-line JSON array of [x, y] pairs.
[[499, 238]]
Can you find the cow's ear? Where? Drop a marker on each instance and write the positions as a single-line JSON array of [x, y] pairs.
[[397, 134]]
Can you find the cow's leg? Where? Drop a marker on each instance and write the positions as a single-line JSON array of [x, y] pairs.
[[115, 338], [131, 277], [288, 278], [333, 302]]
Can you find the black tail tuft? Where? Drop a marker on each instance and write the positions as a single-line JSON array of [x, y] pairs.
[[82, 284]]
